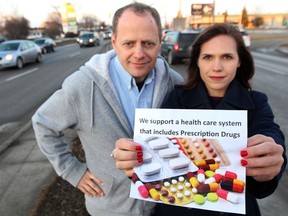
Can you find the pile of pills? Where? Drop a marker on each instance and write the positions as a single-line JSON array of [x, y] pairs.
[[209, 183]]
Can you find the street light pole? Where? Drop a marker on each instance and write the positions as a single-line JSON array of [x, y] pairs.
[[213, 20]]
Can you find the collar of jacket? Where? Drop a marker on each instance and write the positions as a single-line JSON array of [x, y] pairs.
[[236, 97]]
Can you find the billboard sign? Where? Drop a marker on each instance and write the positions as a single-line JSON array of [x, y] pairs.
[[202, 9]]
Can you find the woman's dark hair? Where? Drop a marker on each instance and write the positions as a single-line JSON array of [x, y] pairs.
[[243, 74], [137, 8]]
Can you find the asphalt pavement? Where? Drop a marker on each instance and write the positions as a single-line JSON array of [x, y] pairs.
[[25, 172]]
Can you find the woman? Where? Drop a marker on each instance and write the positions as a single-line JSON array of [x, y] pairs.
[[218, 78]]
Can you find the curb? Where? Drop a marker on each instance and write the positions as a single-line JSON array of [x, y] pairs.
[[15, 136]]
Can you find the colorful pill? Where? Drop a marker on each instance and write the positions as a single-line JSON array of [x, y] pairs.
[[204, 162], [193, 180], [199, 199], [232, 187], [164, 192], [158, 186], [142, 189], [171, 199], [227, 174], [215, 178], [201, 175], [140, 186], [233, 181], [209, 173], [203, 156], [229, 196], [212, 167], [206, 188], [153, 193], [212, 197]]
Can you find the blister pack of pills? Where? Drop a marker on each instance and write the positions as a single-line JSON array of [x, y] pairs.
[[197, 149], [162, 159]]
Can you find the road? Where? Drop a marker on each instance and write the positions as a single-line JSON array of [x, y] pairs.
[[23, 91]]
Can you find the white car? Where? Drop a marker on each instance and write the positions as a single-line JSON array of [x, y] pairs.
[[16, 53], [246, 38]]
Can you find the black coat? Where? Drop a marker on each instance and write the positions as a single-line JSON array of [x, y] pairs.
[[260, 121]]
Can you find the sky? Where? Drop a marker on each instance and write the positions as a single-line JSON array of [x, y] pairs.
[[36, 11]]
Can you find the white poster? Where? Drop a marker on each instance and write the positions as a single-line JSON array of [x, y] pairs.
[[191, 158]]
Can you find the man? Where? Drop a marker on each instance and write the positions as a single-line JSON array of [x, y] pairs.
[[99, 101]]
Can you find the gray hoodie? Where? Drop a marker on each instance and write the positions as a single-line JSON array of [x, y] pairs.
[[88, 102]]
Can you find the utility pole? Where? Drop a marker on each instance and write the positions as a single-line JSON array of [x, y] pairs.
[[213, 16]]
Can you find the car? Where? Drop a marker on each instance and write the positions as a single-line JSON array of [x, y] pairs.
[[246, 37], [46, 44], [89, 39], [107, 34], [176, 45], [17, 53], [2, 38], [164, 32]]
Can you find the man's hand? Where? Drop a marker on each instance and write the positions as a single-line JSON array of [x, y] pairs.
[[89, 185]]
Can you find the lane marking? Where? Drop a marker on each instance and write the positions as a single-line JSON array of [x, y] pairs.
[[22, 74]]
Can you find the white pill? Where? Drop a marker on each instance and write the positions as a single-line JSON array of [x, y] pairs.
[[180, 187], [170, 152], [173, 190], [180, 195], [179, 163], [173, 140], [181, 179], [187, 193], [166, 184], [187, 184], [147, 157], [159, 143], [194, 190], [151, 169], [174, 181], [149, 138]]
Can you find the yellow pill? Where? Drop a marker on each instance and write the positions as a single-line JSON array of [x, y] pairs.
[[199, 199], [212, 197]]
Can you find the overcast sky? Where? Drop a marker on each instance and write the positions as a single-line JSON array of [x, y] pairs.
[[36, 11]]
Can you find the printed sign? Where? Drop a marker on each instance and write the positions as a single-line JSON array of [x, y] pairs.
[[191, 158]]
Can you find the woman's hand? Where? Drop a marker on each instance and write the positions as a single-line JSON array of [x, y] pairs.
[[127, 154], [262, 158]]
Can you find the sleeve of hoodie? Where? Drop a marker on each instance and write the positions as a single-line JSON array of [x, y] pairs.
[[58, 113]]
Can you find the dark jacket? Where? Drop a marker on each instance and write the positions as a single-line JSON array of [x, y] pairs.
[[260, 121]]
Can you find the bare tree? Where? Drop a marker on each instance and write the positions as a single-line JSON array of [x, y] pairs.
[[53, 25], [88, 22], [16, 28]]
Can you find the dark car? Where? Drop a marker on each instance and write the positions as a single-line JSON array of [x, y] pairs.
[[46, 44], [89, 39], [176, 45], [107, 34], [2, 38]]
